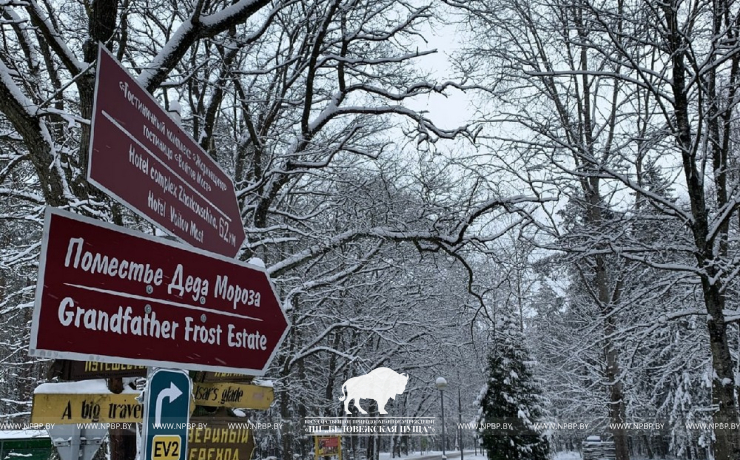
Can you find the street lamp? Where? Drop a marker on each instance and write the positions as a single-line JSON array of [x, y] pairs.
[[441, 384], [459, 419]]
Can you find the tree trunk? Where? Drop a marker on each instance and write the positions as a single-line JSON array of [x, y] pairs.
[[727, 445], [612, 374], [607, 300], [287, 438], [102, 25]]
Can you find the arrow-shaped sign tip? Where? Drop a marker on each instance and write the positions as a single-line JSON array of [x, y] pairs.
[[174, 392]]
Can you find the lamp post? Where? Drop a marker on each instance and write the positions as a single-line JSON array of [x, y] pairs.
[[459, 419], [441, 384]]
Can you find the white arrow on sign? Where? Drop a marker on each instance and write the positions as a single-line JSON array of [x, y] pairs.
[[172, 393]]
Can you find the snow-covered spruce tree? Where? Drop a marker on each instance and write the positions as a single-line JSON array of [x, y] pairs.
[[512, 397]]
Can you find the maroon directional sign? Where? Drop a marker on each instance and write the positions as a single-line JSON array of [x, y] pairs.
[[108, 294], [141, 157]]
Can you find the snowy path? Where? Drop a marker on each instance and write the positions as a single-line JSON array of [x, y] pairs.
[[437, 455], [434, 455]]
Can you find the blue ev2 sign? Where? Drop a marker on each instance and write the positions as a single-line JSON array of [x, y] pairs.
[[166, 415]]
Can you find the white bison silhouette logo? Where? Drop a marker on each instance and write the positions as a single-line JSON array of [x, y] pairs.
[[380, 384]]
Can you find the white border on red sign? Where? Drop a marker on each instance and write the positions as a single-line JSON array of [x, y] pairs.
[[103, 49], [34, 351]]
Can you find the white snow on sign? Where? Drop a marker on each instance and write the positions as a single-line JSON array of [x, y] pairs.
[[97, 386]]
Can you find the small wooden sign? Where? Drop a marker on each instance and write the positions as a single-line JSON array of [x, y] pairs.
[[233, 395], [328, 446], [67, 369], [55, 405], [218, 440], [209, 377], [60, 408]]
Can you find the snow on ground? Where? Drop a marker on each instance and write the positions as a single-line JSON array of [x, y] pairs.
[[577, 456], [433, 453], [481, 456], [468, 455], [567, 456]]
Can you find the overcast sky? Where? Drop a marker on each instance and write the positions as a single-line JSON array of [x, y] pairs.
[[454, 110]]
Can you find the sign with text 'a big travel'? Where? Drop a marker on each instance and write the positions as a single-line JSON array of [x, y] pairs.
[[141, 157], [64, 409], [107, 294]]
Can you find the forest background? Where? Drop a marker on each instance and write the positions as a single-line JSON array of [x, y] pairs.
[[590, 201]]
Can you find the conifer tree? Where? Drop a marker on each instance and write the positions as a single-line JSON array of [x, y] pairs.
[[512, 397]]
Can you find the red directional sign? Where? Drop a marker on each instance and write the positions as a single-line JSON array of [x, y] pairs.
[[107, 294], [141, 157]]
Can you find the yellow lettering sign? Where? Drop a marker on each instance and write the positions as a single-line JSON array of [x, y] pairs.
[[213, 453], [86, 408], [166, 447], [242, 395]]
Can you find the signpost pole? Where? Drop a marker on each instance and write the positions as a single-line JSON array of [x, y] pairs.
[[115, 436], [166, 415], [122, 441], [74, 445]]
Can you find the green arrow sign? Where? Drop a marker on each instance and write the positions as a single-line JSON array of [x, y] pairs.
[[166, 415]]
